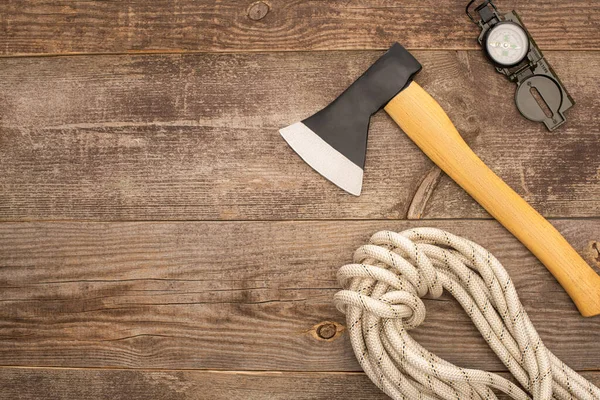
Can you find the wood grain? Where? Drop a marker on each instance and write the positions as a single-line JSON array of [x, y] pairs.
[[139, 310], [59, 27], [172, 137], [239, 296], [101, 384]]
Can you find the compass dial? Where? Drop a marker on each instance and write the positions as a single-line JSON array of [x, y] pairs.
[[507, 44]]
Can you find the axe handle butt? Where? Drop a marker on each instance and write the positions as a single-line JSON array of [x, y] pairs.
[[426, 123]]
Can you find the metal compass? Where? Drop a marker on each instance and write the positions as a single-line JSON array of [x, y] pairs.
[[507, 43], [540, 95]]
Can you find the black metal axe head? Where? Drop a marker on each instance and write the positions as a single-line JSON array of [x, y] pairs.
[[334, 140]]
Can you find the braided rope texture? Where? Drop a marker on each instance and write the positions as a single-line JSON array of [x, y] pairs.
[[382, 302]]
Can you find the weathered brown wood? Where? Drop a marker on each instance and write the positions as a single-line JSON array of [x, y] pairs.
[[33, 27], [194, 137], [239, 296], [68, 384], [172, 137]]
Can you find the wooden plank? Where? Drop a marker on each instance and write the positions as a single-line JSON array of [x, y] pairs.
[[172, 137], [34, 27], [241, 296], [25, 384]]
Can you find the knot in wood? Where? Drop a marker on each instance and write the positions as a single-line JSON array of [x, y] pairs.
[[258, 10], [326, 331]]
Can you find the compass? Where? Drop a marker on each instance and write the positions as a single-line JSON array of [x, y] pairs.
[[507, 43], [540, 95]]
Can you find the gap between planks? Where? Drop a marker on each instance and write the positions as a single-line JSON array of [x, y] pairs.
[[213, 371], [225, 52], [291, 220]]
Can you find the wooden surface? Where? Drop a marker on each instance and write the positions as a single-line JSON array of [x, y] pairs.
[[171, 137], [80, 26], [192, 385], [239, 295], [158, 239]]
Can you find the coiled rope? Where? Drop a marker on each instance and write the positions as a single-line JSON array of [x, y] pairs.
[[382, 302]]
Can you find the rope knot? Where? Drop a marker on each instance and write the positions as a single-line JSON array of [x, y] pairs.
[[400, 273], [401, 305]]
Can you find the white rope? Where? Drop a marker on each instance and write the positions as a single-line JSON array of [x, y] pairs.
[[382, 302]]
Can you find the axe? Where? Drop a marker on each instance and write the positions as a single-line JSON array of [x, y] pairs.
[[334, 143]]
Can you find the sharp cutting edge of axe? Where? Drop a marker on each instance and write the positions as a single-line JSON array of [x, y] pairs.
[[334, 143]]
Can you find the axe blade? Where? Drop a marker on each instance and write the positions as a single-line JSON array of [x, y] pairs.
[[334, 140], [324, 158]]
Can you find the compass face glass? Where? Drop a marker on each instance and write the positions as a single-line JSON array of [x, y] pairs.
[[507, 44]]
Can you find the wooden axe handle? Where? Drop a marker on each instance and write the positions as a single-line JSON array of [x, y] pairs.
[[426, 123]]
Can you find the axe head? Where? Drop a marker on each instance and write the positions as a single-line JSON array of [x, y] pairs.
[[334, 140]]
